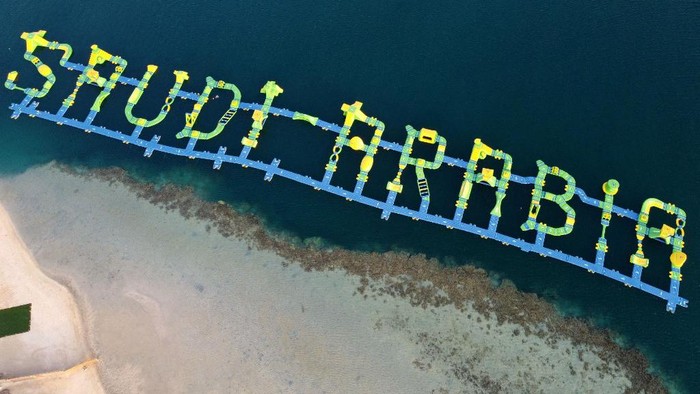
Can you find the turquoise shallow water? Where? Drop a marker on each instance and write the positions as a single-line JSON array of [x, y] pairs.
[[599, 90]]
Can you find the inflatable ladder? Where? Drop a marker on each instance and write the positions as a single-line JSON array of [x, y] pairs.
[[423, 188], [227, 116]]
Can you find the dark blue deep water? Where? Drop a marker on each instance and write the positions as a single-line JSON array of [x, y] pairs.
[[601, 90]]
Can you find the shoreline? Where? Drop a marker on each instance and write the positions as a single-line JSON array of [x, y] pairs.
[[457, 286], [463, 294]]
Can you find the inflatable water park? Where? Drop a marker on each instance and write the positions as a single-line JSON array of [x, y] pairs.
[[670, 234]]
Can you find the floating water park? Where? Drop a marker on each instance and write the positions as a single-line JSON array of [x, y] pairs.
[[669, 234]]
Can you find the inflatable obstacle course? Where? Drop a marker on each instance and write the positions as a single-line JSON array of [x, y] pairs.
[[669, 234]]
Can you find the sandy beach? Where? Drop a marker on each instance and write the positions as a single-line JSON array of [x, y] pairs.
[[172, 305], [54, 355]]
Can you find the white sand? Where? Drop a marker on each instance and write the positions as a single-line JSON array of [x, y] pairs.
[[173, 308], [82, 378], [56, 340]]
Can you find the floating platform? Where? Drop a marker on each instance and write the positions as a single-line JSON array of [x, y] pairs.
[[387, 207]]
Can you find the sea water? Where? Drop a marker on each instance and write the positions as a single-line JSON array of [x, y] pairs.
[[600, 90]]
